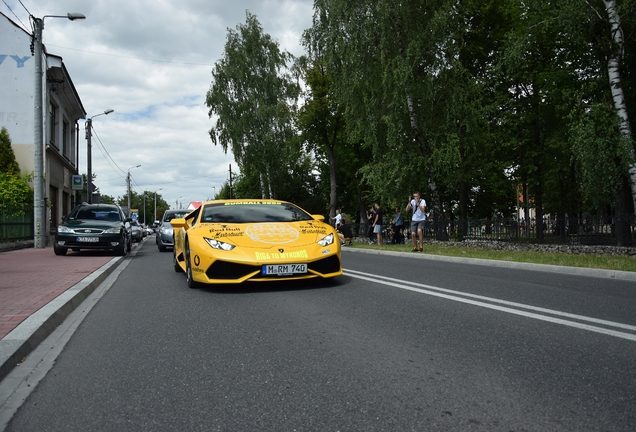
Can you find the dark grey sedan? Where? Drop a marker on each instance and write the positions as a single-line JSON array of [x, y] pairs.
[[94, 226]]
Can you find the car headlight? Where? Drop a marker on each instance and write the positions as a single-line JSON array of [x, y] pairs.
[[64, 229], [111, 231], [165, 230], [219, 244], [326, 241]]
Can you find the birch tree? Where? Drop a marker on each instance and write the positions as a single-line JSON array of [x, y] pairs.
[[253, 97], [614, 65]]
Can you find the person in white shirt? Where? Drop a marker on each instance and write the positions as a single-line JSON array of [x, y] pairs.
[[337, 218], [418, 206]]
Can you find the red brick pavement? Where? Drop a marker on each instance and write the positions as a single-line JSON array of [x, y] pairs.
[[30, 278]]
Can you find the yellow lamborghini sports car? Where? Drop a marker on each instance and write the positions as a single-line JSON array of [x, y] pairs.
[[234, 241]]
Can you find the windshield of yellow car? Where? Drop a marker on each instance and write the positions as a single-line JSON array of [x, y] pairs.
[[253, 211]]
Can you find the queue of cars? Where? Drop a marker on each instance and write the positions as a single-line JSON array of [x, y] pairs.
[[221, 242]]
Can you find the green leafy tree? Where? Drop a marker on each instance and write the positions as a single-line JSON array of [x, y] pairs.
[[8, 163], [253, 96], [15, 191]]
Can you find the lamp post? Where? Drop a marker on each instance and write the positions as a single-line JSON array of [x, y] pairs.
[[89, 158], [176, 204], [128, 184], [38, 143]]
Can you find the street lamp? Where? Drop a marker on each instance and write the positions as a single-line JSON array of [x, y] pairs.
[[176, 204], [38, 143], [153, 221], [89, 158], [128, 183]]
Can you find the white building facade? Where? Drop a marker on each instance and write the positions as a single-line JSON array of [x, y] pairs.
[[62, 111]]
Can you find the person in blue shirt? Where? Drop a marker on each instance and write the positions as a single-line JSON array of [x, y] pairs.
[[398, 227]]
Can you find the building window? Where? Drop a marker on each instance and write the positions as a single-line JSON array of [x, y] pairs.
[[52, 124], [65, 139]]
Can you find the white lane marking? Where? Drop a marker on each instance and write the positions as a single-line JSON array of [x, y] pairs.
[[454, 295]]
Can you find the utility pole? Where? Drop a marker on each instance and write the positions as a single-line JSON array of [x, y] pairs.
[[39, 201], [153, 221], [89, 157], [230, 181], [128, 184]]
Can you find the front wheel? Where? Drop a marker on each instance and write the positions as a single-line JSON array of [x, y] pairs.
[[122, 249], [175, 263], [191, 282], [59, 250]]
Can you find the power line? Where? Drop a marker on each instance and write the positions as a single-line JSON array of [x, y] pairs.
[[104, 150], [16, 17], [132, 58]]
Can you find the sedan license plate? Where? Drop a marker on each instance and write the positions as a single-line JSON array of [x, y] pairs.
[[87, 239], [284, 269]]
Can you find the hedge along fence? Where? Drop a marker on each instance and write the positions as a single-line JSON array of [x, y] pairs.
[[16, 224]]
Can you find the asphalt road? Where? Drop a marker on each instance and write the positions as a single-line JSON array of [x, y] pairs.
[[397, 344]]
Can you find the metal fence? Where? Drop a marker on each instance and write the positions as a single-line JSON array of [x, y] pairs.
[[584, 230], [16, 224]]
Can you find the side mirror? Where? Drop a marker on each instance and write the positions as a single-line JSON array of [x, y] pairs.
[[128, 219], [179, 223], [319, 218]]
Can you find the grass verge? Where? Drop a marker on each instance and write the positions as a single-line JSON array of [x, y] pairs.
[[623, 263]]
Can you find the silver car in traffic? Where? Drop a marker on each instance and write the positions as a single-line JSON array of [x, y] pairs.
[[164, 232]]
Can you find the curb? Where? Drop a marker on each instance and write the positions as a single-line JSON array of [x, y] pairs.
[[23, 339], [24, 244], [576, 271]]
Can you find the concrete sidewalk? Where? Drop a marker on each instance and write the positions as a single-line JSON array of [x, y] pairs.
[[38, 289]]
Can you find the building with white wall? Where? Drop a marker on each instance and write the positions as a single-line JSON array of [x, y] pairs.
[[62, 111]]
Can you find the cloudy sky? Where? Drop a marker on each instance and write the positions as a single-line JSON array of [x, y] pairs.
[[151, 62]]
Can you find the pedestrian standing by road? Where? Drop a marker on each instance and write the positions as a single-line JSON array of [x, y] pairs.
[[337, 218], [398, 220], [377, 223], [418, 206], [370, 219]]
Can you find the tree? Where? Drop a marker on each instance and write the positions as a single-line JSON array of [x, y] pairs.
[[15, 192], [253, 95], [320, 118], [8, 163]]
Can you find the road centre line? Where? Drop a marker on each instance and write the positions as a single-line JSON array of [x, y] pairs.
[[461, 297]]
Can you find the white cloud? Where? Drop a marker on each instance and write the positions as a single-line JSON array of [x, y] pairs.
[[151, 62]]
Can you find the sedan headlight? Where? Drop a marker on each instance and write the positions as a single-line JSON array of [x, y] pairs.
[[165, 230], [219, 244], [64, 229], [112, 231], [326, 241]]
